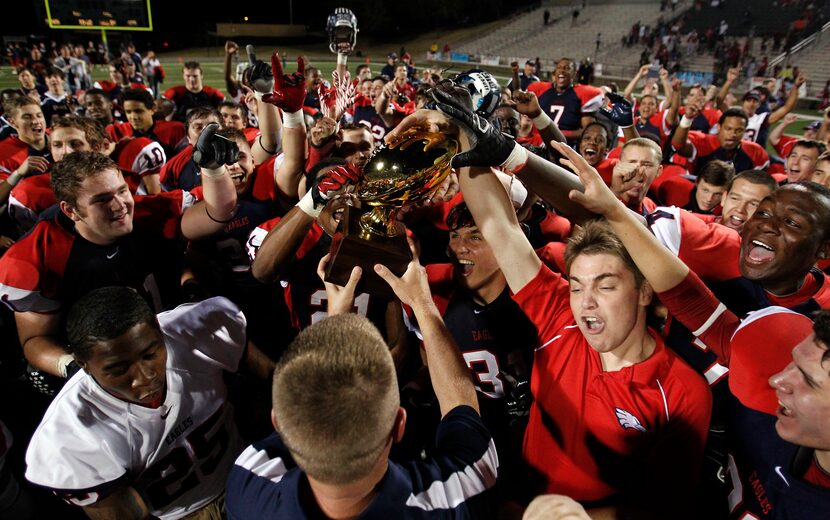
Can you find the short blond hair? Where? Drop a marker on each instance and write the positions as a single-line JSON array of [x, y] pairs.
[[644, 142], [596, 237], [335, 398]]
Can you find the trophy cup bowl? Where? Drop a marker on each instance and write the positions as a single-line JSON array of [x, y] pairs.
[[392, 178]]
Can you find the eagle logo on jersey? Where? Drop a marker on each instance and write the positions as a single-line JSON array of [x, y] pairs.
[[627, 420]]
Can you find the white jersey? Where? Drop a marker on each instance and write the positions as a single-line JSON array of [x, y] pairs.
[[754, 125], [177, 456]]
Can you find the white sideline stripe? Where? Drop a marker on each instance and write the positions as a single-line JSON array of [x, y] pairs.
[[715, 315], [459, 486], [258, 463]]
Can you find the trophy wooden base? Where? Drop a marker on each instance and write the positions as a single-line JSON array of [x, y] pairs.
[[352, 246]]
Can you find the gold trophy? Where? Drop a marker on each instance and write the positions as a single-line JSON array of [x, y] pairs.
[[392, 178]]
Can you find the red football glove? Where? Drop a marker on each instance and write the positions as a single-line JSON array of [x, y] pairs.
[[289, 91], [335, 182]]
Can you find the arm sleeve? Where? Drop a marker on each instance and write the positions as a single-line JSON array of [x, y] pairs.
[[546, 301], [694, 305]]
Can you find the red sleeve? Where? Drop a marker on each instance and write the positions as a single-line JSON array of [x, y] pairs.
[[539, 87], [756, 152], [553, 256], [762, 346], [173, 93], [215, 94], [555, 227], [258, 235], [710, 250], [712, 115], [31, 269], [785, 145], [694, 305], [546, 301], [591, 98], [161, 213], [675, 191], [703, 144]]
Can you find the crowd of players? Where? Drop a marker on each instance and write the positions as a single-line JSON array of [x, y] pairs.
[[614, 309]]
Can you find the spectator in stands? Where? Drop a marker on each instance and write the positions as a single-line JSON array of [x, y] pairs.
[[388, 70], [57, 102], [28, 84], [194, 93], [526, 76]]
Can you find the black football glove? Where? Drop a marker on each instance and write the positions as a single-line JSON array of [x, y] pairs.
[[260, 75], [212, 151], [490, 146], [621, 113]]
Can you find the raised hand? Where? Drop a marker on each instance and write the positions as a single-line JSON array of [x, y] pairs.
[[323, 130], [259, 73], [412, 288], [526, 103], [733, 74], [288, 90], [213, 151], [340, 298], [231, 47], [335, 183], [490, 146], [621, 112], [597, 197]]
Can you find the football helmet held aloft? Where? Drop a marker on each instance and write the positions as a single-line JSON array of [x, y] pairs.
[[483, 88], [342, 30]]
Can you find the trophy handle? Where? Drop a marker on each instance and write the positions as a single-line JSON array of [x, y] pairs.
[[380, 221]]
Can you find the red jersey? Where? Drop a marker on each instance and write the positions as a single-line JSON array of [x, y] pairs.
[[534, 138], [181, 172], [13, 152], [31, 196], [709, 249], [53, 266], [588, 428], [706, 147], [251, 134], [185, 99], [675, 191], [705, 121], [137, 157], [785, 146], [166, 133]]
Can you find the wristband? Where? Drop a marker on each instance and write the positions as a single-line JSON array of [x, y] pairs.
[[208, 173], [14, 178], [293, 119], [63, 362], [542, 121], [685, 122], [342, 59], [258, 95], [308, 207], [518, 192], [516, 160]]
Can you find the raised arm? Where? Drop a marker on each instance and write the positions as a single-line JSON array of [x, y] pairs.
[[281, 243], [212, 153], [680, 141], [447, 370], [674, 103], [528, 104], [231, 85], [632, 85], [732, 75], [777, 133], [790, 103]]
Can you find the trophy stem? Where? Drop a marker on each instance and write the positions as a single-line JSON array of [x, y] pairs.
[[380, 221]]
